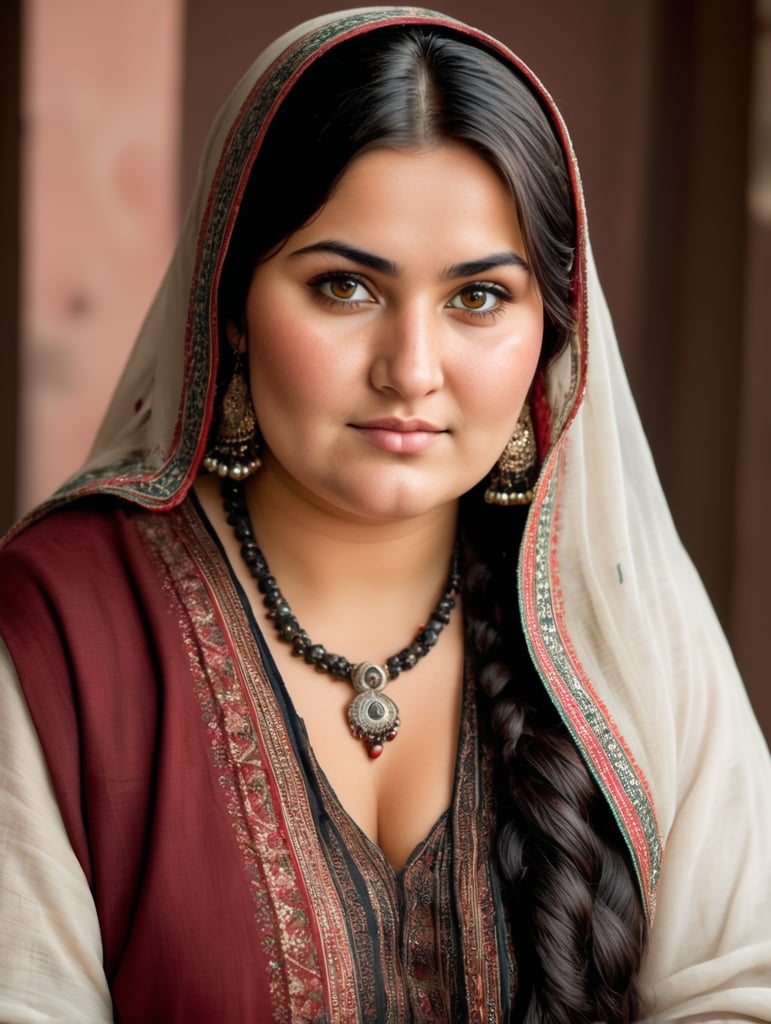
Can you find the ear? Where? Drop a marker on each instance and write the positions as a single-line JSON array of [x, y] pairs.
[[236, 337]]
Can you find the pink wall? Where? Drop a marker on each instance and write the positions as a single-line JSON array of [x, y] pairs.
[[99, 193]]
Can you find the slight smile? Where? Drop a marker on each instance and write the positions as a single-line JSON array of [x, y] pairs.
[[402, 437]]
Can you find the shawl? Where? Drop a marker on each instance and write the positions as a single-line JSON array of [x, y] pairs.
[[616, 619]]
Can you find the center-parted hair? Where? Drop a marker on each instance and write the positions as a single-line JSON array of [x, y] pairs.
[[574, 910], [407, 88]]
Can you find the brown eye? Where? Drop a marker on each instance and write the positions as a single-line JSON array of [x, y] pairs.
[[343, 287], [480, 298], [473, 298], [345, 290]]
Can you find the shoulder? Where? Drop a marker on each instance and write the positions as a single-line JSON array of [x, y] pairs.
[[84, 608], [78, 566], [77, 542], [64, 532]]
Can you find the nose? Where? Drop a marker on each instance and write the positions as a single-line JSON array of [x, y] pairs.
[[409, 354]]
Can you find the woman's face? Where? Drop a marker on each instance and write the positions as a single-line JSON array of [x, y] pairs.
[[392, 340]]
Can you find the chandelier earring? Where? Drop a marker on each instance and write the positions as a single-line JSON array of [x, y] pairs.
[[236, 451], [513, 477]]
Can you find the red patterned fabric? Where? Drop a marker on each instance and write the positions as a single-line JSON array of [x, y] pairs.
[[229, 882]]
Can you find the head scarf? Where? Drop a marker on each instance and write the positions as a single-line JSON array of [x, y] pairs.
[[616, 619]]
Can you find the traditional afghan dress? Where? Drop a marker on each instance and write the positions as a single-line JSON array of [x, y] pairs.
[[171, 850]]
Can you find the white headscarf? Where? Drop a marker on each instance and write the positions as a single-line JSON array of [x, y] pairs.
[[617, 621]]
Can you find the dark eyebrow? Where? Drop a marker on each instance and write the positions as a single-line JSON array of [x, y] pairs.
[[349, 252], [475, 267], [471, 268]]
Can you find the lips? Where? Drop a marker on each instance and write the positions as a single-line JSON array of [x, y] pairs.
[[400, 426], [401, 437]]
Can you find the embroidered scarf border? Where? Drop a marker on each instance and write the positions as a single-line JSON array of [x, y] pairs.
[[588, 720]]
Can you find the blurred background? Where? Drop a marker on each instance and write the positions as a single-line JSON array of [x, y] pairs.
[[104, 107]]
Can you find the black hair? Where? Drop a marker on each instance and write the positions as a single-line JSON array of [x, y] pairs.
[[403, 88], [575, 913]]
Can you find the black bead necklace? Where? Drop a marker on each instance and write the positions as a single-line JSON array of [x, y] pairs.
[[372, 716]]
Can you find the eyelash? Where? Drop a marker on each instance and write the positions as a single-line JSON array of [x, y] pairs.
[[503, 295], [316, 284]]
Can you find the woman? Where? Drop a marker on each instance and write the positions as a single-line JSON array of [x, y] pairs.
[[383, 336]]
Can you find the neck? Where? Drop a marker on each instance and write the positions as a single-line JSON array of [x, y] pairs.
[[303, 537], [361, 588]]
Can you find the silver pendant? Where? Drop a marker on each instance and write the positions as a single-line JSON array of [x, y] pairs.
[[373, 717]]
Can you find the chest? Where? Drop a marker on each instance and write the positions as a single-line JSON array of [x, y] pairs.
[[397, 797]]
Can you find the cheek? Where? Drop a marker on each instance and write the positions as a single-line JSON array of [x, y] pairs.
[[299, 379], [496, 383], [284, 361]]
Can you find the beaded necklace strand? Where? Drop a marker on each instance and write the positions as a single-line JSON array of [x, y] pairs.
[[372, 716]]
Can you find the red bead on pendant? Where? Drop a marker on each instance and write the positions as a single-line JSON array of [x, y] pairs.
[[372, 716]]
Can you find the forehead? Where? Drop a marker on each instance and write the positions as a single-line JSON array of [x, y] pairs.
[[445, 199]]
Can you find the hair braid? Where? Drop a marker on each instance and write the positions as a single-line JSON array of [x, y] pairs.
[[576, 918]]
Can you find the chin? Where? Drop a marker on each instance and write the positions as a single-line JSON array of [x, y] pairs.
[[384, 502], [382, 493]]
